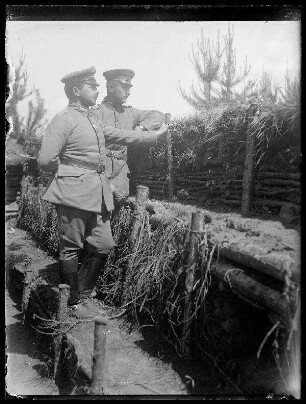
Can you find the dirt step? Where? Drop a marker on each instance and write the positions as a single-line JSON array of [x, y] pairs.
[[129, 368]]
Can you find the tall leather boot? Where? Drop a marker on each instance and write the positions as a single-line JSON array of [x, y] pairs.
[[89, 272], [68, 274]]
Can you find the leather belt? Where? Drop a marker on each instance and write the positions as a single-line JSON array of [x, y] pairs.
[[118, 156], [69, 161]]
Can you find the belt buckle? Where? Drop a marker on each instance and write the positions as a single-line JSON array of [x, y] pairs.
[[100, 168]]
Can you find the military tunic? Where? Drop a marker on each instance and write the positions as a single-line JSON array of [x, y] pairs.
[[116, 155], [73, 147]]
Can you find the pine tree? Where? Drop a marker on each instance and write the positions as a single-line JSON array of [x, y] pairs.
[[217, 72], [25, 129], [19, 92], [207, 62], [230, 78]]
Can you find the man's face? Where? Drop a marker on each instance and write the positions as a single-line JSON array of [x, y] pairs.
[[120, 91], [87, 94]]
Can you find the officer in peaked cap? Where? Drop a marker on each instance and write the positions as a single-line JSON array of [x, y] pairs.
[[83, 76], [73, 149], [122, 75], [113, 112]]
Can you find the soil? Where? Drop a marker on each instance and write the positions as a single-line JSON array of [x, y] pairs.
[[137, 362], [27, 372], [268, 237]]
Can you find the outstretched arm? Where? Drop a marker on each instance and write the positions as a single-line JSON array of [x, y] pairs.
[[148, 119], [127, 137]]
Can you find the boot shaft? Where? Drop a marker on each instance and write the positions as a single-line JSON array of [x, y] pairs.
[[68, 274], [89, 272]]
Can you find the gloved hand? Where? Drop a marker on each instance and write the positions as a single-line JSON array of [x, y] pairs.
[[119, 200], [162, 131]]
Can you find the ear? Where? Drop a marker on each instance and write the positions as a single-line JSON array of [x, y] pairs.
[[76, 91], [112, 86]]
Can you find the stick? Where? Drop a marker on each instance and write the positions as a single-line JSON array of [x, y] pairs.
[[196, 228], [169, 156], [26, 291], [249, 167], [142, 194]]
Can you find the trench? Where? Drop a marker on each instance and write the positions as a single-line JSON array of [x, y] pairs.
[[237, 324], [28, 358]]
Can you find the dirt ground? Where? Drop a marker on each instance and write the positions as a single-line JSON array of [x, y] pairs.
[[26, 365], [137, 362]]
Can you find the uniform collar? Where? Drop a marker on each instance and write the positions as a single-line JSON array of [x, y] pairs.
[[78, 107], [110, 105]]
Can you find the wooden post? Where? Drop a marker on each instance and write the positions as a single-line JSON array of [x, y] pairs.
[[98, 368], [62, 310], [61, 315], [142, 194], [26, 291], [197, 221], [220, 150], [169, 160], [40, 209], [248, 174], [205, 157]]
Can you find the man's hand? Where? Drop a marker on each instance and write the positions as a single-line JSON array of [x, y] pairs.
[[162, 131]]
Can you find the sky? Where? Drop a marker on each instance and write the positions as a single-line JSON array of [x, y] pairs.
[[158, 52]]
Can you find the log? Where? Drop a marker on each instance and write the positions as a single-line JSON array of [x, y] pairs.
[[290, 198], [205, 175], [152, 182], [277, 204], [190, 181], [157, 191], [254, 291], [12, 192], [233, 196], [267, 265], [268, 192], [157, 176], [234, 202], [208, 173], [274, 181], [12, 180], [200, 189], [291, 176]]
